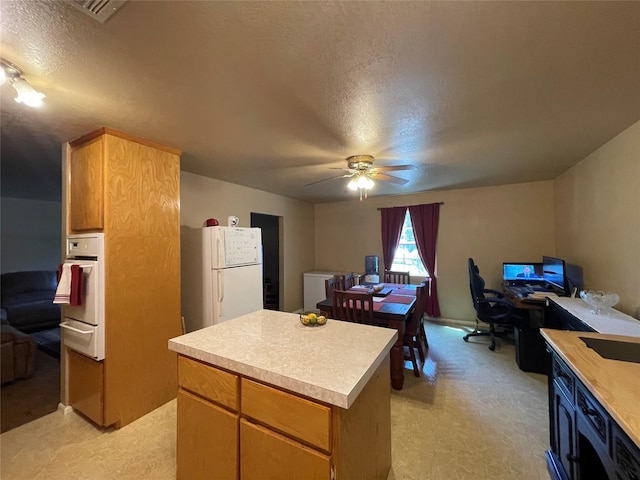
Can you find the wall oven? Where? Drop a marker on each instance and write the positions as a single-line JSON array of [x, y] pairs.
[[83, 328]]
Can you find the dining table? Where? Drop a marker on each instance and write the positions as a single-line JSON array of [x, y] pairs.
[[392, 308]]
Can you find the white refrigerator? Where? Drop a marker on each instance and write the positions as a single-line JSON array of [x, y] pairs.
[[232, 270]]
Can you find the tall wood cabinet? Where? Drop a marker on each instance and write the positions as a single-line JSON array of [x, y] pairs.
[[129, 189]]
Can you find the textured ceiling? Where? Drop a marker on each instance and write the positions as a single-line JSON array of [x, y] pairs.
[[272, 95]]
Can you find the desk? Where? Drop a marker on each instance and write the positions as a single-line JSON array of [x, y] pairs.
[[393, 315], [522, 303]]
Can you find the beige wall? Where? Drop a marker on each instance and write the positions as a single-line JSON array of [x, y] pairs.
[[492, 225], [597, 218], [203, 198]]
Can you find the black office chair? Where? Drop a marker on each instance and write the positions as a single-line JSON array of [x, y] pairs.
[[494, 310]]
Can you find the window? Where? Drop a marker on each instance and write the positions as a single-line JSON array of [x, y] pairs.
[[407, 258]]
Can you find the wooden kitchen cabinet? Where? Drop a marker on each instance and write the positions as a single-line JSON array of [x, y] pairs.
[[86, 392], [267, 455], [279, 434], [204, 423], [129, 189], [86, 188]]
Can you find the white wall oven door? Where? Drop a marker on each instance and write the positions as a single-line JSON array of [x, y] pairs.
[[83, 325], [83, 338]]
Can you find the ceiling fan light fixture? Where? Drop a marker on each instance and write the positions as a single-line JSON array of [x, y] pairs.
[[26, 93]]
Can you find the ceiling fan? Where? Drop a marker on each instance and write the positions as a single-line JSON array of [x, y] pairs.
[[362, 173]]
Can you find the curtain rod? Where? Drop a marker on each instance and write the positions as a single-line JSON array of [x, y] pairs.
[[439, 203]]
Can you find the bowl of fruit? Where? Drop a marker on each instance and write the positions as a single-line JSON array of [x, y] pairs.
[[313, 318]]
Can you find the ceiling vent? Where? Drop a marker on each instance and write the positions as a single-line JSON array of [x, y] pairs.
[[100, 10]]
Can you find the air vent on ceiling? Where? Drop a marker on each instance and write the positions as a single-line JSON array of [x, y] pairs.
[[100, 10]]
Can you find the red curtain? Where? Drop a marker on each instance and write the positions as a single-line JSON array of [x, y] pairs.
[[425, 219], [392, 220]]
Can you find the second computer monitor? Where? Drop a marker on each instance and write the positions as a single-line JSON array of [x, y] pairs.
[[553, 272]]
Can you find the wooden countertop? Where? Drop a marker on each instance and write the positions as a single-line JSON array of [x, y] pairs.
[[615, 384], [330, 363]]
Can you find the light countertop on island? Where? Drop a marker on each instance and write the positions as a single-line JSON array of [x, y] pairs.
[[330, 363], [614, 383]]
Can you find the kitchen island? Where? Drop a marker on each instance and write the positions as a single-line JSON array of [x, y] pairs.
[[263, 396], [594, 408]]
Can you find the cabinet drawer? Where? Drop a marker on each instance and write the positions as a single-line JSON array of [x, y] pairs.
[[590, 409], [298, 417], [265, 455], [563, 377], [213, 384]]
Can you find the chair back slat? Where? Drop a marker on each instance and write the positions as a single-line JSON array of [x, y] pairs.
[[331, 284], [353, 306], [349, 280], [413, 324], [397, 277]]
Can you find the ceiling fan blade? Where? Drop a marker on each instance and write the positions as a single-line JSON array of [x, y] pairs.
[[389, 178], [330, 178], [392, 168]]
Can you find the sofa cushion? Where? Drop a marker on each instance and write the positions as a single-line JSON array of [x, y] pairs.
[[14, 284], [33, 316], [27, 299]]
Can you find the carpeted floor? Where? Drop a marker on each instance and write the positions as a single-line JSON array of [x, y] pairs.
[[25, 400], [471, 415]]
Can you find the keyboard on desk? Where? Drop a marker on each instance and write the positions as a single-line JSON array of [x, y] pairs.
[[528, 290]]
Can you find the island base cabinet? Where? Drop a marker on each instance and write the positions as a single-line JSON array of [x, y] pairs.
[[565, 433], [207, 440], [266, 455], [233, 427]]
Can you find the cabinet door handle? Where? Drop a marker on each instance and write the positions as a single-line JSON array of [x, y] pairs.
[[589, 411]]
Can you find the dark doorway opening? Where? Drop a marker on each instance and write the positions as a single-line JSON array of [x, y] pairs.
[[272, 286]]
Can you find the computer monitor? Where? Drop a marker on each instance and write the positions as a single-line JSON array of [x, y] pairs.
[[573, 277], [553, 272], [520, 271]]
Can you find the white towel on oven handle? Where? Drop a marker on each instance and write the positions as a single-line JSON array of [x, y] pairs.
[[63, 292]]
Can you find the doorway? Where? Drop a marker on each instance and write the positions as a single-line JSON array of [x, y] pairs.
[[271, 279]]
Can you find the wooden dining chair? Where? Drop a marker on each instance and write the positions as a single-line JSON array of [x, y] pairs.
[[425, 297], [331, 284], [412, 332], [397, 277], [353, 306], [349, 280]]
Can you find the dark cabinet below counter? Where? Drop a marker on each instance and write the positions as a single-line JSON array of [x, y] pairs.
[[586, 441], [560, 319]]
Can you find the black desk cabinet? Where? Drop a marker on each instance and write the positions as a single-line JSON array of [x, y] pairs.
[[558, 318], [586, 443]]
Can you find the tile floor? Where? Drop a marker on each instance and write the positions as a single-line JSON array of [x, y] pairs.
[[471, 415]]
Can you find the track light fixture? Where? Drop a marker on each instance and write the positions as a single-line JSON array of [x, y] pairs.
[[26, 93]]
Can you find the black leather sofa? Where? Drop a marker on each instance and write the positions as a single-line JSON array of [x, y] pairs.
[[27, 300]]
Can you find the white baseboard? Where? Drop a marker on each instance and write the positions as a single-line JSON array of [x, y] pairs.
[[64, 409], [450, 321]]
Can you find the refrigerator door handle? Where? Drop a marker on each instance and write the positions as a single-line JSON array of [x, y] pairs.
[[219, 252], [220, 292]]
